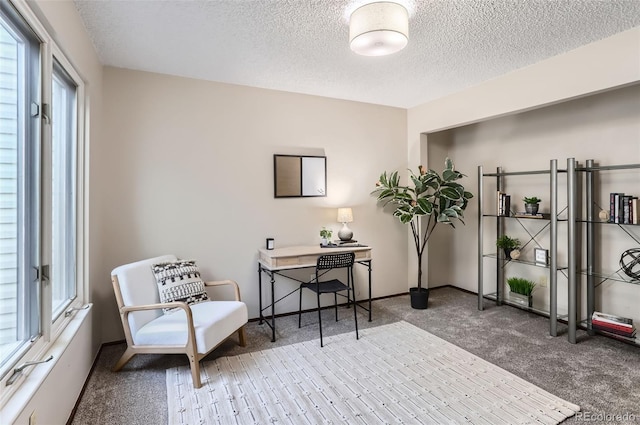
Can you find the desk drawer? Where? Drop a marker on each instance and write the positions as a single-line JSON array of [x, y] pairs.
[[361, 255], [286, 261]]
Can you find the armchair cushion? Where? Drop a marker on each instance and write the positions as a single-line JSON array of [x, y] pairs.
[[213, 321], [179, 281]]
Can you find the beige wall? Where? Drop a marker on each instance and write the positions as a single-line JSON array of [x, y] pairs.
[[191, 173], [604, 126]]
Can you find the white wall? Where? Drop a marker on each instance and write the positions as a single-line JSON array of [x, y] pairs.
[[604, 126], [191, 173]]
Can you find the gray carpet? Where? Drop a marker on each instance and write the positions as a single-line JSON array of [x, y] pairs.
[[599, 374]]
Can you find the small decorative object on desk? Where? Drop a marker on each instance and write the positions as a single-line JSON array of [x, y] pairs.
[[325, 234], [340, 242], [345, 215], [270, 243]]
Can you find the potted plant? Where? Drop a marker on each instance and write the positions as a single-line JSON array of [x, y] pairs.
[[508, 245], [521, 290], [531, 204], [437, 196], [325, 234]]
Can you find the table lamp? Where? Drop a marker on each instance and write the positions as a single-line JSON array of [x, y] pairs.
[[345, 216]]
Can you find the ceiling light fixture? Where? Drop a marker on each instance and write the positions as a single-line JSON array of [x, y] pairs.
[[378, 29]]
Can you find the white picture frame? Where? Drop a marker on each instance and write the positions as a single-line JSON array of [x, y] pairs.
[[541, 256]]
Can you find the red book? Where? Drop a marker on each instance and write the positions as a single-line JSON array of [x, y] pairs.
[[609, 325], [627, 334]]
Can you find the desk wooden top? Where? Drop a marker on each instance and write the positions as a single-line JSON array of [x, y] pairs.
[[297, 257]]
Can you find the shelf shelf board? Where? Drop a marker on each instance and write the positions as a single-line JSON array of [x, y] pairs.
[[545, 217], [605, 222], [531, 263], [541, 311], [608, 167], [615, 276], [520, 173]]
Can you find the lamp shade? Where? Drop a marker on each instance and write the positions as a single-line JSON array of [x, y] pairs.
[[379, 29], [345, 215]]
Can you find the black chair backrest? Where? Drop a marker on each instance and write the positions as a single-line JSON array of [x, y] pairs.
[[335, 261]]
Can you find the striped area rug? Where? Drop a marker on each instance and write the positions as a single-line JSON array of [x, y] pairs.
[[395, 374]]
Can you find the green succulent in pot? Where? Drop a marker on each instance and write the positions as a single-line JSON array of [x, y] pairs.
[[532, 200], [507, 244], [438, 198], [531, 204]]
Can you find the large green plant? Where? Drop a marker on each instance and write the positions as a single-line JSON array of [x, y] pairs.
[[437, 196]]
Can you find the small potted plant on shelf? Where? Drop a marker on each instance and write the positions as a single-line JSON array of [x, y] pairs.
[[531, 205], [521, 290], [509, 245], [325, 234]]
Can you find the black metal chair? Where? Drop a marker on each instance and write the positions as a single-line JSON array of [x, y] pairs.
[[326, 263]]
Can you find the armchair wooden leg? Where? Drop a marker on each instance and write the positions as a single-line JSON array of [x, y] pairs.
[[241, 337], [195, 372], [124, 359]]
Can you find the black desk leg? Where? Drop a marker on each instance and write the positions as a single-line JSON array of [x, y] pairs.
[[260, 292], [369, 266], [273, 309]]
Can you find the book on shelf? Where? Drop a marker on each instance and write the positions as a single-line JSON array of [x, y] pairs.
[[503, 207], [610, 318], [522, 214], [612, 207], [619, 327], [626, 203], [623, 208], [628, 334]]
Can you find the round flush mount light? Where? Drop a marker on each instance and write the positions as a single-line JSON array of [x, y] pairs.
[[378, 29]]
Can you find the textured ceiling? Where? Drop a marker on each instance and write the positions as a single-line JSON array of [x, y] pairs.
[[302, 45]]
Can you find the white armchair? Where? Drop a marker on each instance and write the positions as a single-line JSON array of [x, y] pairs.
[[194, 330]]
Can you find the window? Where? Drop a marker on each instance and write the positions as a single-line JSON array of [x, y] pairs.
[[63, 166], [19, 138], [41, 151]]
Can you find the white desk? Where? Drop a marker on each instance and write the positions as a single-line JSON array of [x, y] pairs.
[[275, 261]]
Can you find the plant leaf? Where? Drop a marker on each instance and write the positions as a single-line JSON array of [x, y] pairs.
[[450, 193], [425, 206]]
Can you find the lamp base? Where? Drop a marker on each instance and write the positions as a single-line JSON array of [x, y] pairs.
[[345, 234]]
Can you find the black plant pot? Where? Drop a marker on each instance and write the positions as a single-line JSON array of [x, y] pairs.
[[419, 298]]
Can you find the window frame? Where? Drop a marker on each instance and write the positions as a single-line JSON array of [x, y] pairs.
[[51, 327]]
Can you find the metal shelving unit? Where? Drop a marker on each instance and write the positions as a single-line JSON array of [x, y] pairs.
[[590, 171], [553, 267]]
